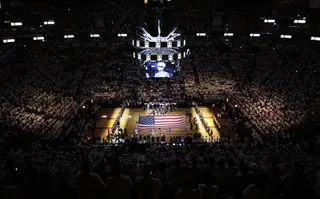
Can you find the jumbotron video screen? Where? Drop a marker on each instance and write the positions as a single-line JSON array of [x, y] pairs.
[[160, 69]]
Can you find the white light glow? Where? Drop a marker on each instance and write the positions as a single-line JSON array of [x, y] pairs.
[[148, 57], [38, 38], [228, 34], [158, 44], [315, 38], [269, 21], [134, 55], [138, 43], [122, 35], [68, 36], [94, 35], [171, 57], [146, 44], [148, 37], [169, 44], [179, 55], [299, 21], [286, 36], [159, 51], [254, 35], [159, 57], [8, 40], [184, 42], [201, 34], [178, 43], [139, 56], [16, 23], [48, 22], [133, 42]]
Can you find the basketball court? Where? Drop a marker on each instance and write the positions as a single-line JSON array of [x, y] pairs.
[[107, 117]]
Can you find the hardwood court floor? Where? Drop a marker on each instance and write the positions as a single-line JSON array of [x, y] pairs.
[[106, 118]]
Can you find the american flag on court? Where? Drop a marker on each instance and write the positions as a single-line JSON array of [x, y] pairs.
[[161, 121]]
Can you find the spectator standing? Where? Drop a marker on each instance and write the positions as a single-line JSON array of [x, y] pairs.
[[258, 190], [187, 192], [146, 186], [118, 185], [87, 184], [207, 190]]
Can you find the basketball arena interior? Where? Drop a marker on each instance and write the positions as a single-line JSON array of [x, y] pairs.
[[157, 99]]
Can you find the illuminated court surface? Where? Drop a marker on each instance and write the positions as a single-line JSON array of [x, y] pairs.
[[106, 118]]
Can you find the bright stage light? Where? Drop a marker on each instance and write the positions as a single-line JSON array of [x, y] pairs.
[[315, 38], [170, 57], [48, 22], [138, 43], [201, 34], [269, 21], [299, 21], [8, 40], [158, 44], [159, 51], [144, 35], [16, 23], [139, 56], [146, 44], [179, 55], [68, 36], [148, 57], [228, 34], [254, 35], [122, 35], [159, 57], [178, 43], [38, 38], [94, 35], [169, 44], [134, 55], [286, 36]]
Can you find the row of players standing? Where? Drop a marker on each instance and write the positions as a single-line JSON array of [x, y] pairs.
[[159, 108]]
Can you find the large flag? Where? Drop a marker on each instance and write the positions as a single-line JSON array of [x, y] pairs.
[[161, 121]]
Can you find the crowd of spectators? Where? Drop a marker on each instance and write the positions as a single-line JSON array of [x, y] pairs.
[[47, 88], [225, 169], [274, 87]]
